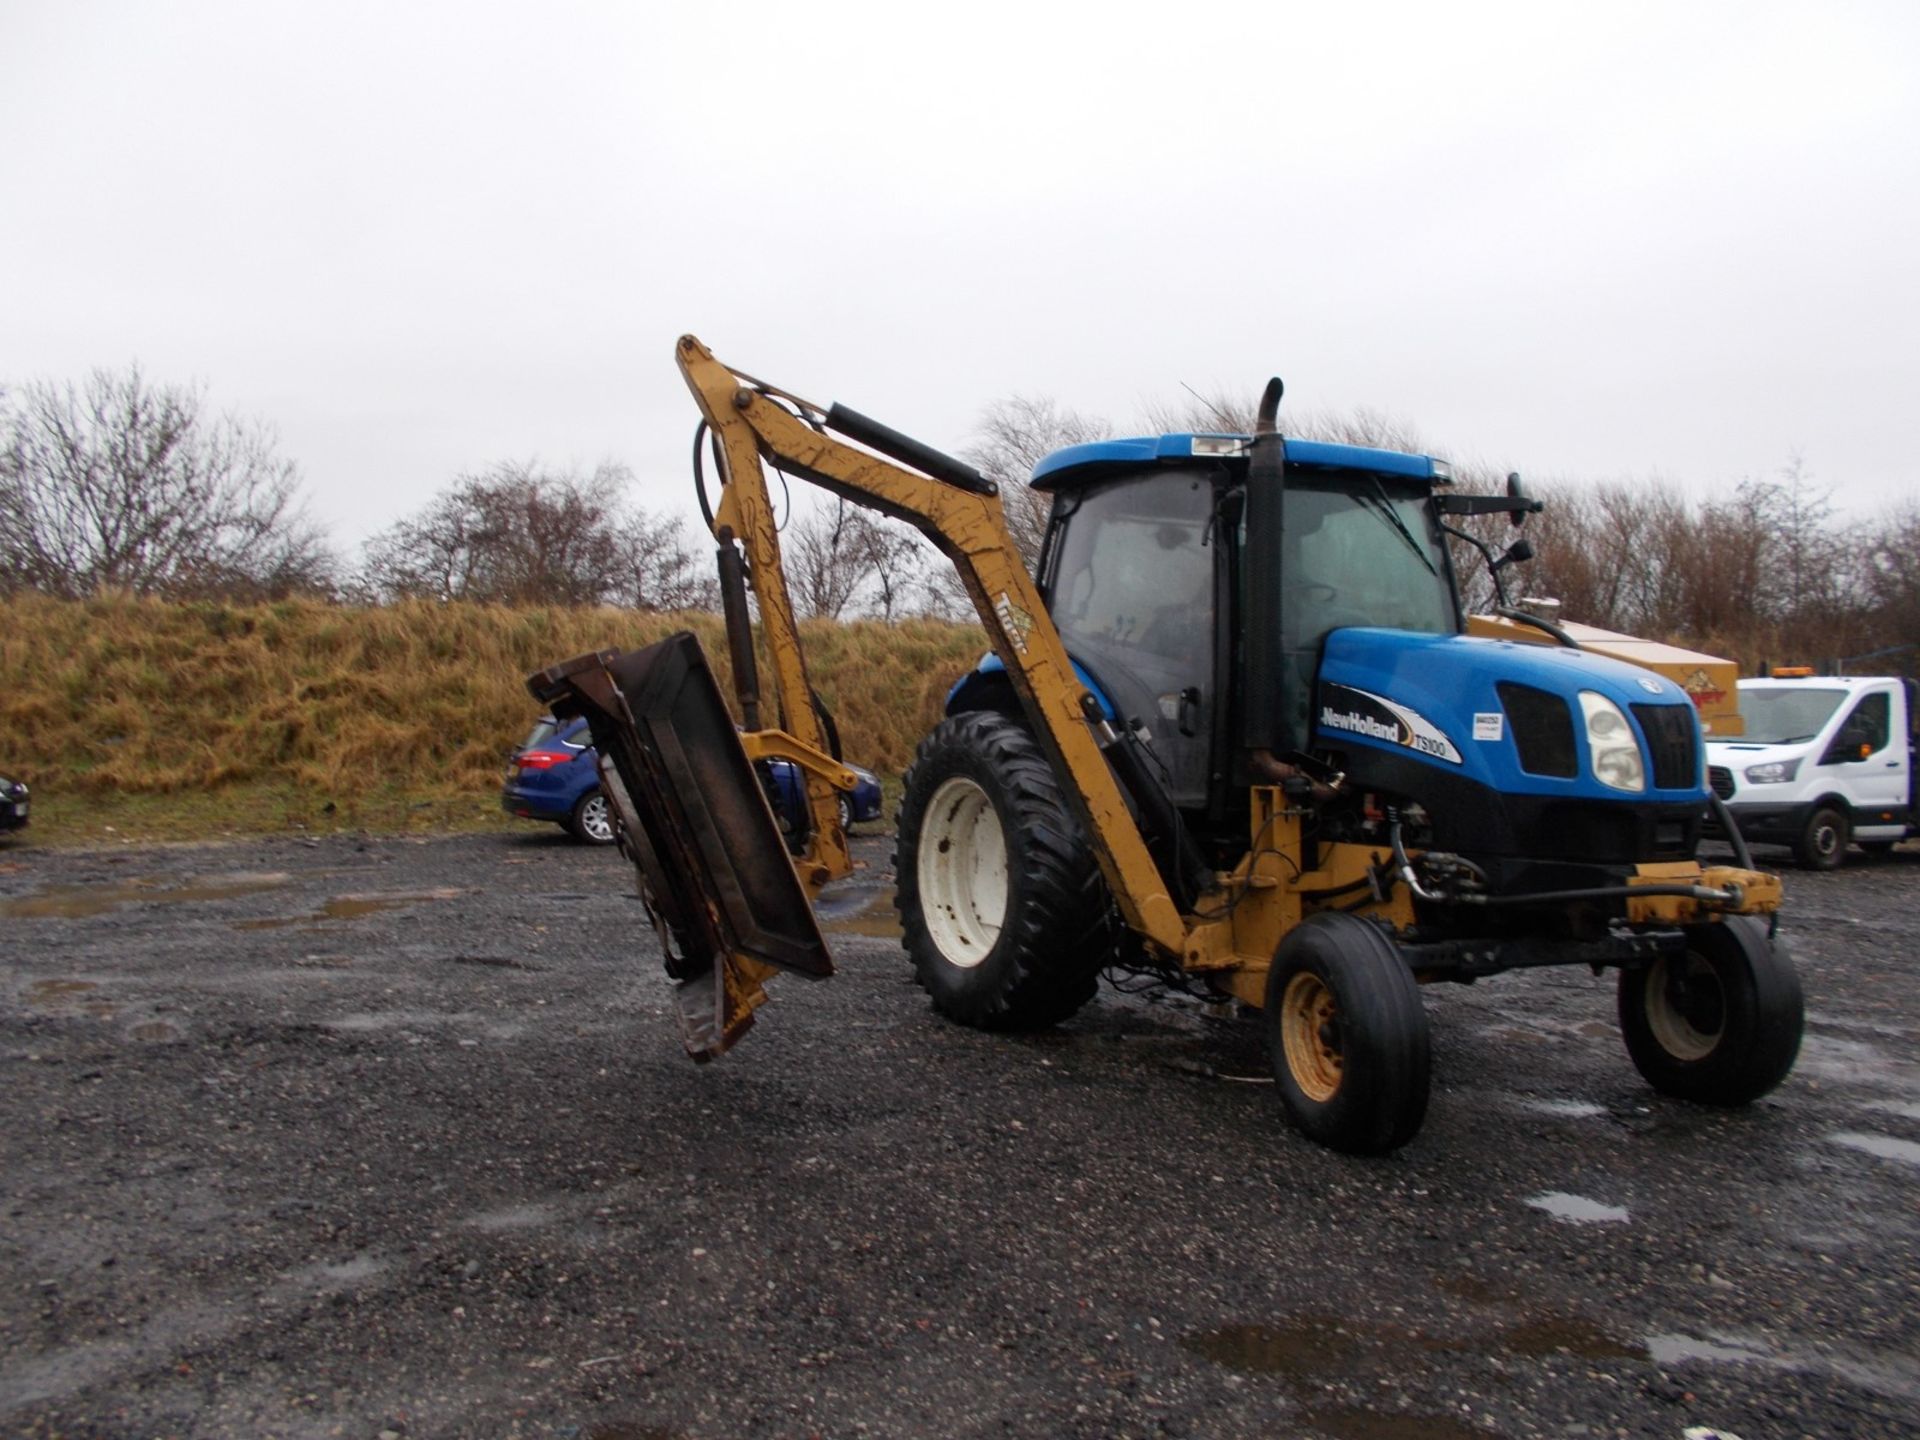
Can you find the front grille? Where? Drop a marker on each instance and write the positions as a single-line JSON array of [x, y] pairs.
[[1721, 778], [1542, 729], [1674, 738]]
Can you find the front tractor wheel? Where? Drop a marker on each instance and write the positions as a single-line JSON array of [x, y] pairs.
[[1002, 906], [1348, 1035], [1719, 1024]]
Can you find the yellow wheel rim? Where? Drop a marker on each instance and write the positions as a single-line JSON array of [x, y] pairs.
[[1309, 1034]]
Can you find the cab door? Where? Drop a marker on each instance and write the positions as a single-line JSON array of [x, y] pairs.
[[1131, 583], [1864, 763]]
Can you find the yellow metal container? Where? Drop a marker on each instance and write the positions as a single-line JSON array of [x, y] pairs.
[[1708, 680]]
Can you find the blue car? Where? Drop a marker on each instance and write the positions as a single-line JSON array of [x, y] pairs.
[[553, 777]]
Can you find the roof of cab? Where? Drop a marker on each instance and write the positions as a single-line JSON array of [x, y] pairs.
[[1080, 464]]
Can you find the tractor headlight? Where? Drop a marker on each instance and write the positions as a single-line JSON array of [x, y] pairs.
[[1611, 748], [1774, 772]]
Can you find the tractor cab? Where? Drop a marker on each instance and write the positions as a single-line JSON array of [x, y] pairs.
[[1148, 574]]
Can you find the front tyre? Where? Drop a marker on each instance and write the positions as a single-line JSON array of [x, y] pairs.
[[1719, 1024], [1348, 1035], [1003, 908], [592, 819], [1823, 843]]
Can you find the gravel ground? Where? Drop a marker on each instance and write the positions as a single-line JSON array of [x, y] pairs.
[[388, 1137]]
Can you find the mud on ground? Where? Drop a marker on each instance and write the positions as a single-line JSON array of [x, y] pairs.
[[365, 1137]]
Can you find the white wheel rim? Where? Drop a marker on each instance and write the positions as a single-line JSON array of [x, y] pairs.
[[597, 819], [1670, 1025], [962, 869]]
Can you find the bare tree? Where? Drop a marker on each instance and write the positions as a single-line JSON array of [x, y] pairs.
[[1015, 435], [892, 560], [517, 534], [820, 554], [120, 484], [664, 569], [1892, 584]]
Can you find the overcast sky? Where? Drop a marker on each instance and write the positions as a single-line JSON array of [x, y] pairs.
[[1624, 240]]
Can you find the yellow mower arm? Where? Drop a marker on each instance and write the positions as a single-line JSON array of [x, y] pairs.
[[964, 520]]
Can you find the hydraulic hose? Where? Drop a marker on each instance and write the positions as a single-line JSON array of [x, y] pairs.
[[1734, 838], [1729, 896]]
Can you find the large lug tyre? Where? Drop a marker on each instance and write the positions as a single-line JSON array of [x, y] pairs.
[[1719, 1024], [592, 819], [1823, 843], [1348, 1035], [1003, 909]]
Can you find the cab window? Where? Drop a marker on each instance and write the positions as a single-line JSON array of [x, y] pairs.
[[1865, 731]]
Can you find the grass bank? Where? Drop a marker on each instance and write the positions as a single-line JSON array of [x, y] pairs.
[[177, 721]]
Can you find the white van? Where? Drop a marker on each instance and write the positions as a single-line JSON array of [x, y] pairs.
[[1824, 760]]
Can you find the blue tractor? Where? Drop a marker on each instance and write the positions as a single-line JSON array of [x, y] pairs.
[[1233, 734], [1288, 614]]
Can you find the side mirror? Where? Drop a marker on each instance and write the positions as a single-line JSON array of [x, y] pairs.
[[1524, 504], [1514, 554]]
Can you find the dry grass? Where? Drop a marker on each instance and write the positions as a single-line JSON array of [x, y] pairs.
[[312, 715]]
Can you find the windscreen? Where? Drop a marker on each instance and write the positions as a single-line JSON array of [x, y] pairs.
[[1786, 715], [544, 730], [1356, 549], [1360, 549]]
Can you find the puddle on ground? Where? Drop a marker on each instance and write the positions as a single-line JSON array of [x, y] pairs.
[[155, 1032], [69, 997], [1474, 1288], [1854, 1022], [514, 1217], [350, 907], [1305, 1350], [1599, 1029], [1344, 1424], [1881, 1374], [1513, 1035], [1577, 1209], [1678, 1349], [79, 902], [495, 962], [1573, 1336], [868, 913], [368, 1022], [56, 992], [1851, 1062], [1317, 1351], [1566, 1109], [351, 1272], [1905, 1109], [1886, 1147]]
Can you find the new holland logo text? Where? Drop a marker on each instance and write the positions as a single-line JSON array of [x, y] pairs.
[[1360, 725], [1361, 712]]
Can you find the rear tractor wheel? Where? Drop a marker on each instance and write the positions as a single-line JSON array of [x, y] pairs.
[[1719, 1024], [1003, 908], [1348, 1035]]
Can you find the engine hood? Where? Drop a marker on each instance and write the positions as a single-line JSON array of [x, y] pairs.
[[1435, 699]]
